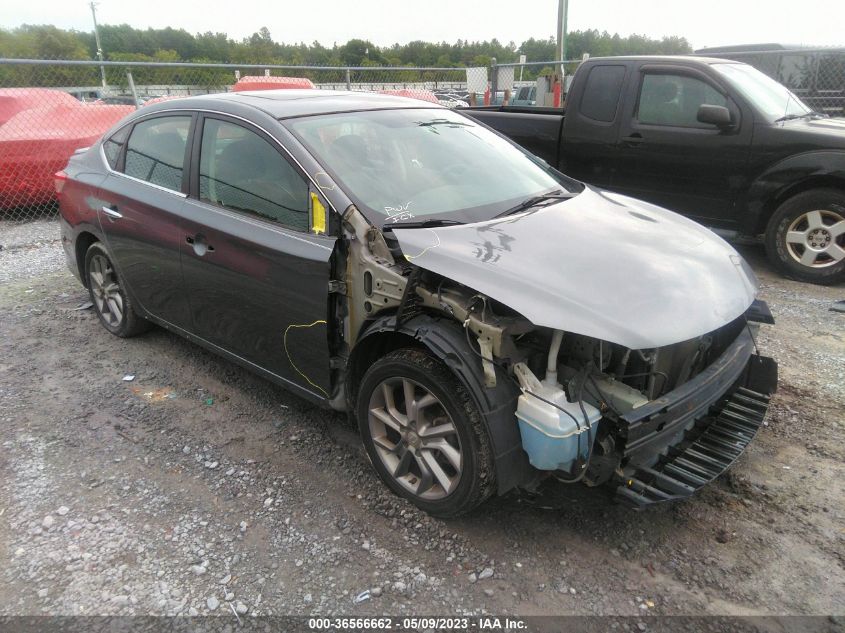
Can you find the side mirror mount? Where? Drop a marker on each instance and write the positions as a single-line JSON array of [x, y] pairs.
[[716, 115]]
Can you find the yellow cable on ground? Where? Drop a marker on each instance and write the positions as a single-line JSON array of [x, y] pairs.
[[290, 360]]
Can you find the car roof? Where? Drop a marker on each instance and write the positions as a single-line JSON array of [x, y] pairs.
[[288, 103]]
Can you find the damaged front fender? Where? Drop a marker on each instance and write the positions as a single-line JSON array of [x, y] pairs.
[[445, 339]]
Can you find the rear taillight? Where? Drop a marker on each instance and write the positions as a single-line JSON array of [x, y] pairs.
[[59, 179]]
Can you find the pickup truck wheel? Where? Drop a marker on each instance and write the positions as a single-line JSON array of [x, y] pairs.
[[113, 306], [424, 435], [805, 239]]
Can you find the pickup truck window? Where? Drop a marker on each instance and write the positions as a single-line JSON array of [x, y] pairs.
[[601, 94], [797, 71], [674, 100]]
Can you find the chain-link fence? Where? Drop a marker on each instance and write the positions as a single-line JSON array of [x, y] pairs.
[[48, 109]]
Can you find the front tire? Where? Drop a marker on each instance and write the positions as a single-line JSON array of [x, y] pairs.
[[113, 306], [805, 239], [424, 435]]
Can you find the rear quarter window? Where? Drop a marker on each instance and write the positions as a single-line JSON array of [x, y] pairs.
[[155, 151], [115, 143], [601, 92], [796, 72]]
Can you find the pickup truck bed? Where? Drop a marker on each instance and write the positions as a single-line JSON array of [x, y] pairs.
[[536, 129]]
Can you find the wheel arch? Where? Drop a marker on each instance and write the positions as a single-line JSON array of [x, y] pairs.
[[814, 182], [373, 344], [446, 340], [83, 243], [789, 177]]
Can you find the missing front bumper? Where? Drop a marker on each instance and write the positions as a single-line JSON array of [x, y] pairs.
[[690, 436], [696, 462]]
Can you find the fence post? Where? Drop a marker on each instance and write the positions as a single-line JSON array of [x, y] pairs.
[[494, 77], [132, 88], [99, 45], [348, 80]]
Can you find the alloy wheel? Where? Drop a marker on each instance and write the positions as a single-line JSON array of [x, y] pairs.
[[817, 238], [415, 438], [105, 290]]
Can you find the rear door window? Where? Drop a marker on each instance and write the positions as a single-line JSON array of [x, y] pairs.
[[240, 170], [601, 93], [796, 72], [155, 151]]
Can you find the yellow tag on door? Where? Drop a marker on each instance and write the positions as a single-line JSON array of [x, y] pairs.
[[318, 214]]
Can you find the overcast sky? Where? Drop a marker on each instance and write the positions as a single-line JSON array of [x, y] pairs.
[[708, 23]]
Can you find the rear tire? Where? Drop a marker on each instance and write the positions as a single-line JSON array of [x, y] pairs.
[[435, 453], [805, 238], [112, 304]]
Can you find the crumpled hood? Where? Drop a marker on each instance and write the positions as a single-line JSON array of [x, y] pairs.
[[600, 264]]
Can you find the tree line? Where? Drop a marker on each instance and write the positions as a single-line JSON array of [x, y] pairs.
[[126, 43], [122, 42]]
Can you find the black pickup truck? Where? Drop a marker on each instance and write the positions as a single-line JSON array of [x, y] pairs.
[[713, 139]]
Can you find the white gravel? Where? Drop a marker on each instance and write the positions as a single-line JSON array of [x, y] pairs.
[[29, 249]]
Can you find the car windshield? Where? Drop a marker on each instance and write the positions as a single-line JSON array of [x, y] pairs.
[[771, 98], [397, 165]]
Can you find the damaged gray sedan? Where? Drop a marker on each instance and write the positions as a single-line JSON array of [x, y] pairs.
[[488, 321]]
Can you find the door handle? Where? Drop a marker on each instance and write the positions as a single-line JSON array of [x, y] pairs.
[[201, 247], [112, 213], [636, 139]]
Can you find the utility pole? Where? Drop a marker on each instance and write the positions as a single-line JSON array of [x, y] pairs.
[[97, 40], [562, 15]]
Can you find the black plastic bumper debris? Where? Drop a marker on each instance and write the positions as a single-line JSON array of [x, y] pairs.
[[713, 446]]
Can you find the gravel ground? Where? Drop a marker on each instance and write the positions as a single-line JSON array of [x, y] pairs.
[[28, 249], [198, 488]]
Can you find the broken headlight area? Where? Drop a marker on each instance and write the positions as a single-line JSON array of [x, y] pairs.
[[659, 423]]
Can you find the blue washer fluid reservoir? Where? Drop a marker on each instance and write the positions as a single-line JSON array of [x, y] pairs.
[[554, 435]]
